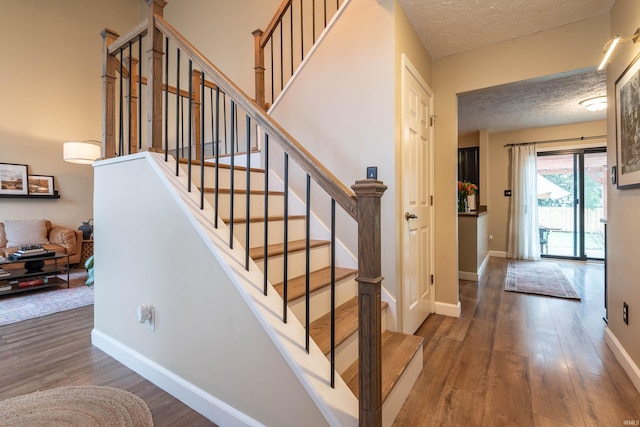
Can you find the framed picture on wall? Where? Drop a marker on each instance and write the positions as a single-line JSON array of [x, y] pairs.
[[628, 126], [13, 179], [41, 185]]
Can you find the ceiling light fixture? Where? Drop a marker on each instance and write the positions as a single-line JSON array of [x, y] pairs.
[[610, 46], [84, 153], [597, 103]]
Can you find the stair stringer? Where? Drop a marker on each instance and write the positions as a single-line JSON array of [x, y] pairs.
[[298, 390]]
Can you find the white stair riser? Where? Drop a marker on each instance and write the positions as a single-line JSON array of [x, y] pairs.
[[256, 204], [319, 258], [347, 352], [276, 232], [320, 301], [224, 181]]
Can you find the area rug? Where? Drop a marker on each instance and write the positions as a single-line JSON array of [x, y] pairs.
[[76, 406], [36, 303], [542, 278]]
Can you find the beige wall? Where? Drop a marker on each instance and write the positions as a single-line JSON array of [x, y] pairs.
[[469, 140], [624, 205], [499, 166], [221, 30], [406, 43], [51, 93], [567, 48]]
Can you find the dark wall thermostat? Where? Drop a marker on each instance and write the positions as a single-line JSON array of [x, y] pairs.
[[372, 172], [507, 193]]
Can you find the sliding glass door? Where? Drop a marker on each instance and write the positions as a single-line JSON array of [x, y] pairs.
[[571, 202]]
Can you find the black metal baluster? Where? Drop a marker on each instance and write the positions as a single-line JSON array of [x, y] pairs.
[[139, 92], [129, 88], [232, 176], [313, 20], [248, 207], [301, 31], [325, 14], [281, 57], [224, 106], [202, 104], [121, 139], [307, 274], [266, 211], [272, 72], [189, 129], [217, 170], [166, 101], [333, 293], [291, 34], [177, 111], [286, 236]]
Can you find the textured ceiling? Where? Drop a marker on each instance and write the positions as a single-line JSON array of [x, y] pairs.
[[447, 27], [550, 101]]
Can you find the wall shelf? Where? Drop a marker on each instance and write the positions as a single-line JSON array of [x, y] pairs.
[[30, 196]]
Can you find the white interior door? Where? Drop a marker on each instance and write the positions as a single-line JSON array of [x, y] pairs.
[[417, 167]]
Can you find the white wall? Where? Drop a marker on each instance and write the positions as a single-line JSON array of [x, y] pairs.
[[51, 93], [624, 205], [216, 334], [341, 108], [567, 48]]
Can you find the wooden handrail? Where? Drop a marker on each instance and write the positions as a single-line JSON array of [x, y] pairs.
[[120, 42], [277, 18], [320, 174]]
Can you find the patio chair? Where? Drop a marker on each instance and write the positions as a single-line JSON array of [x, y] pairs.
[[544, 239]]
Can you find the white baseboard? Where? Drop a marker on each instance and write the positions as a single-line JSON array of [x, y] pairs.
[[451, 310], [484, 264], [498, 254], [623, 358], [200, 401], [467, 275]]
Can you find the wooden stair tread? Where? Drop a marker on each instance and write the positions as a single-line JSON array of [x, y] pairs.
[[242, 220], [398, 350], [317, 280], [195, 162], [346, 325], [278, 248]]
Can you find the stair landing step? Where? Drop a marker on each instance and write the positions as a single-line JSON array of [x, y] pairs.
[[398, 350], [346, 325], [317, 280], [278, 248]]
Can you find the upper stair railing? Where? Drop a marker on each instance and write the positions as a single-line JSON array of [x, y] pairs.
[[189, 101], [283, 45]]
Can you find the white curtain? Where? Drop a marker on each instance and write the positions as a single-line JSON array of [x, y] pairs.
[[524, 238]]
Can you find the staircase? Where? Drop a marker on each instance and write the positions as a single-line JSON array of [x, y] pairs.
[[334, 296], [401, 353]]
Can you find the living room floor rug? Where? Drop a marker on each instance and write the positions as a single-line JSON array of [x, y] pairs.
[[538, 277], [76, 406], [29, 305]]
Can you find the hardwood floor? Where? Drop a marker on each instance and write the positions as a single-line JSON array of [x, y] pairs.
[[522, 360], [510, 360], [56, 350]]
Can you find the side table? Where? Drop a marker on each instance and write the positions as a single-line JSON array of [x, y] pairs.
[[86, 251]]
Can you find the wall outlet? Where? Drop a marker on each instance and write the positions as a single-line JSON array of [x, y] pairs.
[[625, 313]]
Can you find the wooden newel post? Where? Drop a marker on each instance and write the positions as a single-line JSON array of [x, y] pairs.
[[369, 193], [108, 95], [259, 67], [154, 79]]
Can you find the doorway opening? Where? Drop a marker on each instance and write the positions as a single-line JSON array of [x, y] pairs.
[[572, 201]]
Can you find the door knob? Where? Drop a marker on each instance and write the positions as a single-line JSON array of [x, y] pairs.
[[409, 216]]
